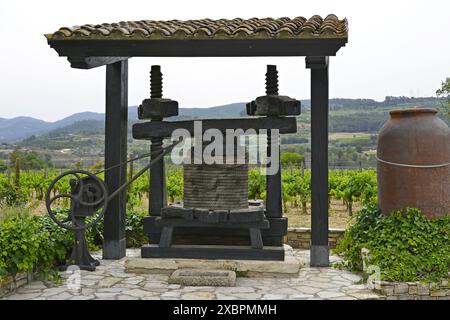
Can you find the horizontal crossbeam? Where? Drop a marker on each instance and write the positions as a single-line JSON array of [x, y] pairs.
[[163, 129]]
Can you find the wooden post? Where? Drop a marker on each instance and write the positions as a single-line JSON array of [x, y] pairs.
[[114, 244], [17, 176], [319, 161]]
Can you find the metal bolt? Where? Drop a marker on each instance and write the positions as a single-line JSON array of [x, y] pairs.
[[156, 82], [271, 80]]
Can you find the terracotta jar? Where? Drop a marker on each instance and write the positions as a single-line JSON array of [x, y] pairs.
[[413, 162]]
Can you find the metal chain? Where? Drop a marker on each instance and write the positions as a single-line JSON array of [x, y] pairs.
[[142, 156], [413, 165], [161, 154]]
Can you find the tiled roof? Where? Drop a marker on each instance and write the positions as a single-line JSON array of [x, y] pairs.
[[268, 28]]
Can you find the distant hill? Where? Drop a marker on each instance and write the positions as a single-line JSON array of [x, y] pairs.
[[13, 130], [16, 129], [233, 110], [20, 128], [78, 117]]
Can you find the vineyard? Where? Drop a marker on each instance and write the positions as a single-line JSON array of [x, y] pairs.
[[346, 188]]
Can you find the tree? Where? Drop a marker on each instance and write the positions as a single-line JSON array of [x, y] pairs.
[[99, 165], [28, 160], [291, 159], [444, 91], [3, 166]]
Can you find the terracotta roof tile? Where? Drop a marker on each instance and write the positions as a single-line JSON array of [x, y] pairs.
[[268, 28]]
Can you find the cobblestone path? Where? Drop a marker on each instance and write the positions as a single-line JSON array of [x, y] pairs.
[[111, 282]]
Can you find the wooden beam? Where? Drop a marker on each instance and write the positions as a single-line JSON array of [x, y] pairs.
[[213, 252], [116, 153], [271, 237], [198, 48], [92, 62], [162, 129], [319, 161]]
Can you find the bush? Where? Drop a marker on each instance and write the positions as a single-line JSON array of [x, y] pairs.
[[406, 246], [11, 195], [32, 244], [134, 229], [36, 244]]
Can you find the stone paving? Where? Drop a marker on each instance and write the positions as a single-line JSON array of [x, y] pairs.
[[110, 282]]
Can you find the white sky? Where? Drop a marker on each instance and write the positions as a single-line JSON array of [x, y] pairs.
[[396, 47]]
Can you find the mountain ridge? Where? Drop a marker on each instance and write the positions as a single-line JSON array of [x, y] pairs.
[[22, 127], [19, 128]]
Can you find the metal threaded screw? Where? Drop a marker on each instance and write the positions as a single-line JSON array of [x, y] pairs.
[[156, 85], [272, 80]]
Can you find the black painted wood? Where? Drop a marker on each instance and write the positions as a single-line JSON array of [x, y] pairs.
[[274, 202], [319, 156], [213, 252], [166, 237], [157, 190], [180, 222], [197, 48], [278, 226], [256, 238], [155, 129], [274, 236], [271, 237], [250, 214], [92, 62], [115, 153]]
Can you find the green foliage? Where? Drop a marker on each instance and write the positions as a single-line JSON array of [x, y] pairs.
[[256, 184], [405, 246], [444, 91], [37, 244], [81, 136], [3, 166], [10, 194], [174, 184], [99, 165], [28, 160], [296, 187], [353, 186], [292, 159], [134, 229], [32, 244]]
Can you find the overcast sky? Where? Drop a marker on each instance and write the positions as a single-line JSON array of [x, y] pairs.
[[396, 47]]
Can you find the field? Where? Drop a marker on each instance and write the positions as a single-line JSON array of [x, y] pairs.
[[348, 190], [348, 135], [338, 215]]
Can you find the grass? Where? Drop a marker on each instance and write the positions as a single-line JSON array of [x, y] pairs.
[[10, 212], [338, 215], [349, 135]]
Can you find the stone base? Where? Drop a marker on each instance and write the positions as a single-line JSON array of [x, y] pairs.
[[203, 277], [290, 267]]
